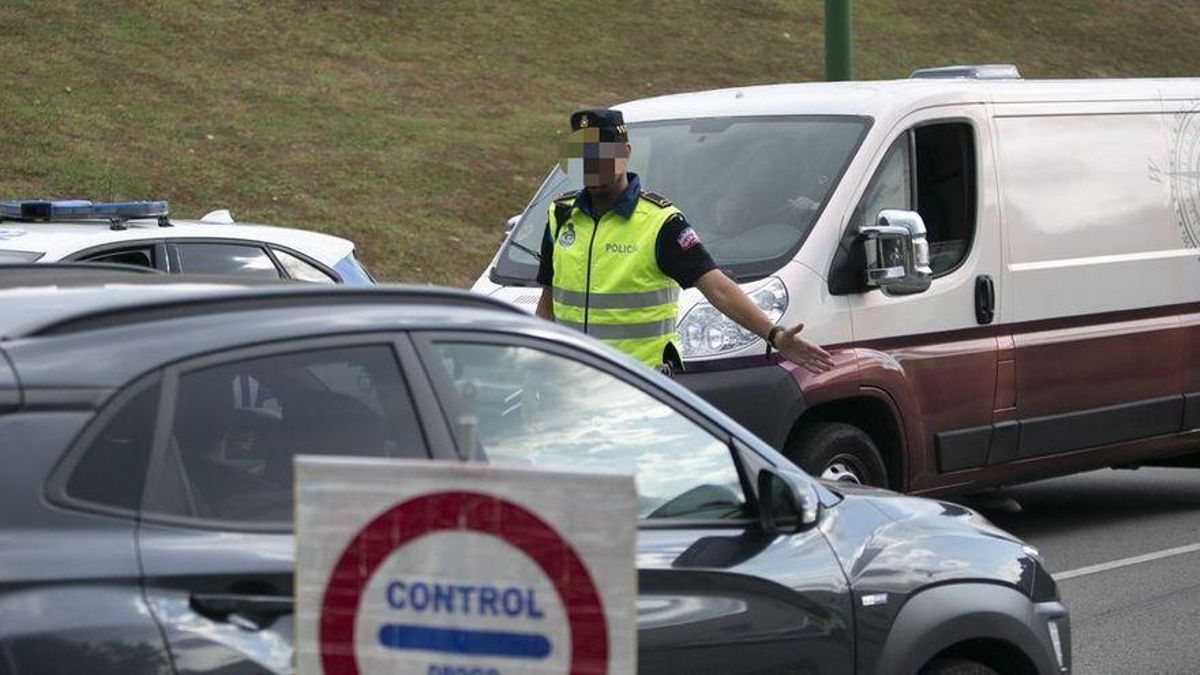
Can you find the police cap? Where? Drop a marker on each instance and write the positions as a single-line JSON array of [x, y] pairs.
[[609, 123]]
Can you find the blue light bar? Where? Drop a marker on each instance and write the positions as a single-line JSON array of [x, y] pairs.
[[80, 209]]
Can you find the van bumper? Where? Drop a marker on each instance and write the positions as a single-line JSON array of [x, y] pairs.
[[755, 391]]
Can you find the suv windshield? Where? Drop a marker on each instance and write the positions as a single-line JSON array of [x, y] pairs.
[[752, 187]]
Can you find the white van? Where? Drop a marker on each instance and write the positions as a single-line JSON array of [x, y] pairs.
[[1007, 271]]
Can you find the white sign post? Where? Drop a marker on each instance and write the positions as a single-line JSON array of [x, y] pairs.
[[459, 569]]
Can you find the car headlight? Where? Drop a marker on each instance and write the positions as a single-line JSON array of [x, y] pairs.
[[705, 331]]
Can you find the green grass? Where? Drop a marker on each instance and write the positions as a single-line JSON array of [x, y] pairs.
[[416, 128]]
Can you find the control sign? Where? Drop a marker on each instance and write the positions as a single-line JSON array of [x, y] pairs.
[[459, 569]]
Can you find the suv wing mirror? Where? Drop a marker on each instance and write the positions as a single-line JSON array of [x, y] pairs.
[[897, 252], [787, 502]]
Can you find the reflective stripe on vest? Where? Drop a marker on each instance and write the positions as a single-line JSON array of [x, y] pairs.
[[617, 300], [607, 282], [626, 331]]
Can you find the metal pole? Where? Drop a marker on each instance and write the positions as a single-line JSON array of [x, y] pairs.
[[839, 55]]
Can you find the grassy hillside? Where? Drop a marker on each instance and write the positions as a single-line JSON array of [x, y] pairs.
[[415, 128]]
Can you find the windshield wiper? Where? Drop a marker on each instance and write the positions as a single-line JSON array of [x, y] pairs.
[[513, 242]]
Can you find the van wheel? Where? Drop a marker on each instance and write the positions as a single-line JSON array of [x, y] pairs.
[[839, 452], [956, 667]]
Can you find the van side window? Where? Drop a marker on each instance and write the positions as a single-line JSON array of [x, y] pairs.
[[946, 191], [891, 188]]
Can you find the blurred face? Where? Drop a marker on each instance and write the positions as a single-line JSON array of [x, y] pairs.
[[604, 163]]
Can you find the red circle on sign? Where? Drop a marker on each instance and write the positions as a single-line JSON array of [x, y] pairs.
[[471, 511]]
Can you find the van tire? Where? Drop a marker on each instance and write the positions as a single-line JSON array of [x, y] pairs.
[[956, 667], [838, 451]]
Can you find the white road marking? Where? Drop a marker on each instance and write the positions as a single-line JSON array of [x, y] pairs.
[[1126, 562]]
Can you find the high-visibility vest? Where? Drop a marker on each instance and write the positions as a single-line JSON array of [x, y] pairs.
[[607, 282]]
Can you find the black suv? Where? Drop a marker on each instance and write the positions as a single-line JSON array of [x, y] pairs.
[[147, 435]]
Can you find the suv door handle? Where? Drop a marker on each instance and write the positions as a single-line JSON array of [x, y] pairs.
[[985, 299], [251, 612]]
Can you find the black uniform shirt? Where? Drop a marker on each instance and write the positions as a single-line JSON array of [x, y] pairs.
[[679, 253]]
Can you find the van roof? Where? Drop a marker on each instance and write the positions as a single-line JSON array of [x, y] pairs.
[[881, 98]]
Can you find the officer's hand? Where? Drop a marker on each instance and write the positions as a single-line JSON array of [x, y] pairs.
[[802, 352]]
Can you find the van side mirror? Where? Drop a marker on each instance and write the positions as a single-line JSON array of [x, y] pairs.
[[787, 502], [511, 223], [897, 253]]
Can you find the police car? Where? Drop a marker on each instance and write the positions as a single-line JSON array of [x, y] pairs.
[[144, 235]]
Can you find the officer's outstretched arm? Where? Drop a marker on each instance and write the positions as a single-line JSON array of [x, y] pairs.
[[545, 307], [729, 298]]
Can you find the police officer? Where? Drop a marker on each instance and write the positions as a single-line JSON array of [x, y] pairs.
[[614, 257]]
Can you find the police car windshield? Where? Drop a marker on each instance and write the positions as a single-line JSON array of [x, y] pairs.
[[751, 186]]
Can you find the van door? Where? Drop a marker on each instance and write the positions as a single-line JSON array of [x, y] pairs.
[[1183, 177], [935, 353], [1101, 270]]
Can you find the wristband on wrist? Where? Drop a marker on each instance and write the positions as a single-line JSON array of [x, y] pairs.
[[771, 334]]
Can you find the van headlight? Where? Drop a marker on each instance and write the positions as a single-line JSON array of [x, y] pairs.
[[705, 331]]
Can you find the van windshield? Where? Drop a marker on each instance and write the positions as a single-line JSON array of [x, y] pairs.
[[752, 187]]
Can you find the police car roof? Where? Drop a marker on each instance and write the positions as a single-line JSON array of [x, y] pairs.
[[60, 239], [883, 99], [48, 308]]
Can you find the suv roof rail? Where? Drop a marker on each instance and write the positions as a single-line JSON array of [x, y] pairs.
[[987, 71], [261, 297]]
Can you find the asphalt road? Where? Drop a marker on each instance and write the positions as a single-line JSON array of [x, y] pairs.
[[1125, 547]]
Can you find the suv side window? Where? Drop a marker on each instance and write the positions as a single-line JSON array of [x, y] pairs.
[[236, 427], [226, 259], [521, 406], [943, 159], [112, 468]]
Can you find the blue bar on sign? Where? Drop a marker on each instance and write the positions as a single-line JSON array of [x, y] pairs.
[[457, 641]]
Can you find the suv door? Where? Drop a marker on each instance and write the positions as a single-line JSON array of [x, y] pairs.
[[716, 594], [216, 542]]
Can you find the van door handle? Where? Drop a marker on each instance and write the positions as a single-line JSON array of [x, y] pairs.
[[251, 612], [985, 299]]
